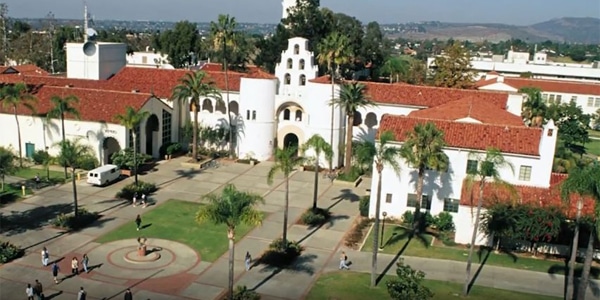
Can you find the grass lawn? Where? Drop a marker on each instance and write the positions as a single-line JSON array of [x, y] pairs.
[[12, 193], [175, 220], [352, 285], [29, 173], [396, 239], [593, 147], [594, 133]]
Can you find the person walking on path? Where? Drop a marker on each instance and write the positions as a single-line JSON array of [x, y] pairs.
[[37, 181], [138, 222], [82, 294], [248, 260], [128, 295], [135, 195], [143, 200], [343, 260], [85, 261], [38, 290], [45, 256], [55, 270], [74, 266], [29, 292]]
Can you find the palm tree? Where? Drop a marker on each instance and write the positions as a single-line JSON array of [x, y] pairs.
[[7, 165], [60, 108], [593, 192], [191, 88], [385, 155], [423, 150], [488, 169], [351, 98], [319, 146], [70, 155], [286, 161], [232, 208], [534, 108], [131, 119], [224, 35], [334, 51], [13, 96]]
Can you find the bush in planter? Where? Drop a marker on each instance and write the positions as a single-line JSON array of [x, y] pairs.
[[9, 252], [124, 159], [281, 255], [241, 292], [443, 221], [173, 149], [162, 151], [363, 206], [408, 218], [88, 162], [68, 221], [141, 188], [351, 175], [40, 156], [315, 217]]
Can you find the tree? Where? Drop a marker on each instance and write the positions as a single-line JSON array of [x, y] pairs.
[[375, 47], [60, 108], [423, 150], [572, 124], [286, 161], [231, 208], [409, 284], [500, 222], [395, 68], [181, 44], [363, 154], [488, 169], [538, 224], [333, 50], [352, 97], [534, 108], [191, 88], [319, 146], [453, 68], [7, 165], [70, 155], [385, 155], [306, 19], [131, 120], [12, 97], [224, 36]]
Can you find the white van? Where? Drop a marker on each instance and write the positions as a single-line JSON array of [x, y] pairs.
[[103, 175]]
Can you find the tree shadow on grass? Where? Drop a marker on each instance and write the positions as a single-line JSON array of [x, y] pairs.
[[563, 269], [34, 219], [480, 255]]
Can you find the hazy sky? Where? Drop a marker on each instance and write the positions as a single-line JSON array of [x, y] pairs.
[[519, 12]]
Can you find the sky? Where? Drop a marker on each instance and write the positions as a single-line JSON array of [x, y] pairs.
[[516, 12]]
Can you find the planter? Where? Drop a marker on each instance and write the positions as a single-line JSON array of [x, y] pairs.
[[142, 251], [348, 183], [127, 173], [251, 162], [311, 169], [196, 164]]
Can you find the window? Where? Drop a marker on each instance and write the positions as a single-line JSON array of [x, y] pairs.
[[289, 63], [525, 173], [287, 79], [296, 49], [472, 166], [573, 98], [545, 97], [388, 198], [166, 126], [301, 64], [590, 102], [248, 115], [137, 132], [558, 99], [286, 114], [144, 59], [426, 203], [253, 115], [302, 79], [551, 99], [597, 103], [411, 201], [451, 205], [298, 116]]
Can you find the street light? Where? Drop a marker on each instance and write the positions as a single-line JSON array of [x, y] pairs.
[[384, 214]]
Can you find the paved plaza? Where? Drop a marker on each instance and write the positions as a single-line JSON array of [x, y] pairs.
[[180, 273]]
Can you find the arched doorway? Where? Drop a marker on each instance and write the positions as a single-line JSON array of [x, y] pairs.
[[152, 126], [291, 140], [110, 146]]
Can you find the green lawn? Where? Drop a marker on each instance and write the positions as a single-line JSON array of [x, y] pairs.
[[396, 239], [593, 147], [594, 133], [29, 173], [175, 220], [352, 285], [12, 193]]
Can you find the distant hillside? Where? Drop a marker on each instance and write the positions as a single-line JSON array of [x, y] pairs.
[[571, 30]]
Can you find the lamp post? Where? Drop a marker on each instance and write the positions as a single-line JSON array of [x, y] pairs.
[[384, 214]]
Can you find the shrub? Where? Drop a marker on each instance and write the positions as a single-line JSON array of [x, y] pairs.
[[355, 236], [162, 151], [241, 292], [408, 285], [443, 222], [124, 159], [40, 157], [427, 219], [281, 254], [315, 217], [68, 221], [408, 217], [446, 238], [9, 252], [173, 148], [141, 188], [351, 175], [363, 206], [88, 162]]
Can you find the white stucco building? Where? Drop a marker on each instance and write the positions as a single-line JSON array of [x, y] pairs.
[[148, 59]]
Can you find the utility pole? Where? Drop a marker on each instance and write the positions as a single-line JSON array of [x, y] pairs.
[[50, 20], [3, 17]]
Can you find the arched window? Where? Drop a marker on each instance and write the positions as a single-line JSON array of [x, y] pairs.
[[296, 49], [301, 64], [302, 79], [298, 116], [207, 105], [286, 114], [287, 79], [290, 63]]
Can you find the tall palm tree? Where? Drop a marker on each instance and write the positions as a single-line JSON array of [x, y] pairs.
[[593, 192], [488, 169], [70, 155], [60, 108], [132, 119], [13, 96], [223, 36], [191, 88], [352, 97], [232, 208], [534, 108], [318, 144], [286, 161], [334, 51], [385, 155], [423, 150]]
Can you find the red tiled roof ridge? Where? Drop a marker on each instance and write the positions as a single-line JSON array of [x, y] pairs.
[[96, 90], [477, 124], [546, 85]]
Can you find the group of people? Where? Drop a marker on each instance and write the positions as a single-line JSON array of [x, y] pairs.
[[35, 291], [143, 199], [85, 260]]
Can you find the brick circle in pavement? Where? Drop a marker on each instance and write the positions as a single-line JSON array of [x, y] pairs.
[[175, 258]]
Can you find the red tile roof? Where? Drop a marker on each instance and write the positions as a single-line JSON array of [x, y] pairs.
[[557, 86], [94, 104], [251, 70], [470, 107], [474, 136], [30, 69]]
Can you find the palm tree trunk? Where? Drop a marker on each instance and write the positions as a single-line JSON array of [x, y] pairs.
[[75, 204], [570, 293], [316, 188], [473, 240], [62, 122], [135, 173], [348, 154], [587, 265], [417, 220], [19, 138], [332, 112], [195, 130], [285, 211], [376, 229], [231, 237]]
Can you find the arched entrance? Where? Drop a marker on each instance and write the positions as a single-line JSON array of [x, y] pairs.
[[110, 146], [151, 134], [291, 140]]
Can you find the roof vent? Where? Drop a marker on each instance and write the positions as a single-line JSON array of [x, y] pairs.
[[135, 91], [69, 86], [505, 128]]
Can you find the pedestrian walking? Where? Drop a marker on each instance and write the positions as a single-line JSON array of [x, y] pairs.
[[29, 292], [85, 261], [38, 290], [135, 195], [128, 295], [37, 181], [75, 266], [143, 200], [248, 260], [82, 294], [45, 256], [343, 260], [138, 222], [55, 270]]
